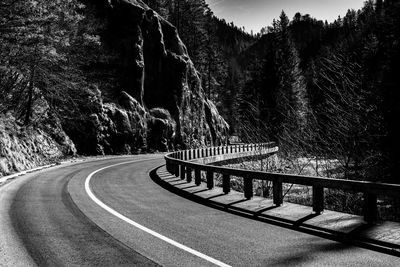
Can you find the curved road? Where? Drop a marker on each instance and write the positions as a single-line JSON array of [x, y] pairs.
[[109, 212]]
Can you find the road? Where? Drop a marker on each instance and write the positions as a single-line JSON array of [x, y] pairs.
[[109, 212]]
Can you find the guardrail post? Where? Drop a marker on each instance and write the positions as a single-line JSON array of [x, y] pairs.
[[318, 199], [188, 175], [183, 172], [277, 192], [210, 180], [226, 183], [176, 170], [370, 208], [197, 177], [248, 187]]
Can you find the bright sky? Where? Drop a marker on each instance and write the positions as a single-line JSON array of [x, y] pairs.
[[255, 14]]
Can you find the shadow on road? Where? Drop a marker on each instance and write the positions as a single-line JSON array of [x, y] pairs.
[[346, 240]]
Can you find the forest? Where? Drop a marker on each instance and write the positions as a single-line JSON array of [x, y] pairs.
[[319, 90]]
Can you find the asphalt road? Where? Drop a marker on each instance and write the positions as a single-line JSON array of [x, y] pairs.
[[122, 217]]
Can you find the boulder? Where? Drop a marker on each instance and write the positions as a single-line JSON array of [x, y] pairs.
[[161, 130]]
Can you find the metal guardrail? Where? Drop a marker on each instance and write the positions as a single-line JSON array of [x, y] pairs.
[[181, 165]]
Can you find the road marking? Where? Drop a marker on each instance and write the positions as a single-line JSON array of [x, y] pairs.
[[141, 227]]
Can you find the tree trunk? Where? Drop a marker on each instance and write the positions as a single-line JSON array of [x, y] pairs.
[[28, 112]]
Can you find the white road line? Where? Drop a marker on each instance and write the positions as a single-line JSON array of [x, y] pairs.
[[141, 227]]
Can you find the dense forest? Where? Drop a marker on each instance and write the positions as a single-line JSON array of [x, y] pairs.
[[318, 89], [330, 90]]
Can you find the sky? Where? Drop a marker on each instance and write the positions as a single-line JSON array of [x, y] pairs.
[[255, 14]]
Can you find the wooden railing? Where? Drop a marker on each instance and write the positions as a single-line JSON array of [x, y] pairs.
[[182, 164]]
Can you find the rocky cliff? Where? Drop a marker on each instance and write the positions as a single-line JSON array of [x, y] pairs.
[[146, 96], [24, 148], [160, 103]]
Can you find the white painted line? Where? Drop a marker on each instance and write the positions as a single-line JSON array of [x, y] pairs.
[[141, 227]]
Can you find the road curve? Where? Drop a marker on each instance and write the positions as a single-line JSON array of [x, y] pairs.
[[50, 219]]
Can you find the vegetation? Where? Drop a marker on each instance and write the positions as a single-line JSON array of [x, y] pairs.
[[323, 91], [40, 46], [328, 90]]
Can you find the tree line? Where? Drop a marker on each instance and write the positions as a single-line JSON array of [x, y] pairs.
[[319, 89], [329, 90]]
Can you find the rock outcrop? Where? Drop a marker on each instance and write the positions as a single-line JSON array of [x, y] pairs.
[[26, 148], [158, 103], [161, 102]]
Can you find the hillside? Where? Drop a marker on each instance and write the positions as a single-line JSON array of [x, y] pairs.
[[326, 90], [121, 81]]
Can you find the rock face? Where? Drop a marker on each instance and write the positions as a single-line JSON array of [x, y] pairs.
[[22, 149], [162, 104]]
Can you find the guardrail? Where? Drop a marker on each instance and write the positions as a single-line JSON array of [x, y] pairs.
[[181, 164]]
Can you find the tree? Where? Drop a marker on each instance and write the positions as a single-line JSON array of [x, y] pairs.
[[37, 44]]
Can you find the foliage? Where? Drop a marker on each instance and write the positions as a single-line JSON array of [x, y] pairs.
[[329, 90], [40, 43]]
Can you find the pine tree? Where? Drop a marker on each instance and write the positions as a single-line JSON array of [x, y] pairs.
[[36, 40]]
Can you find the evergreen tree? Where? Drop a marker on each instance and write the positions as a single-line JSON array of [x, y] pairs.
[[35, 44]]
